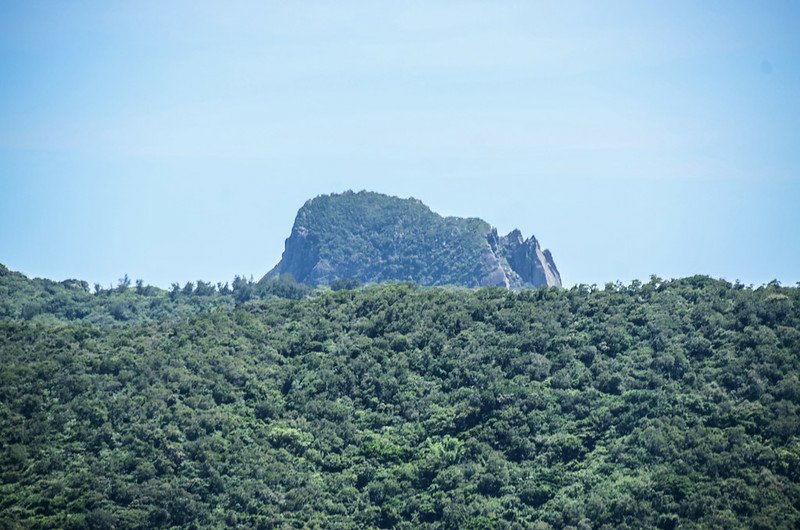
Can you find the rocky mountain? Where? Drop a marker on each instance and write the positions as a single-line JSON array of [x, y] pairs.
[[371, 237]]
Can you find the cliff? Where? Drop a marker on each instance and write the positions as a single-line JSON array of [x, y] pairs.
[[372, 237]]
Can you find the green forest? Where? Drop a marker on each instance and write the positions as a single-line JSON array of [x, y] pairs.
[[666, 404]]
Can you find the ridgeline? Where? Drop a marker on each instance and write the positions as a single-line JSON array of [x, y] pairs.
[[670, 404]]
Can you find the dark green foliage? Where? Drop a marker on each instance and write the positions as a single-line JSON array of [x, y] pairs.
[[659, 405], [41, 300], [283, 286], [242, 289], [344, 284]]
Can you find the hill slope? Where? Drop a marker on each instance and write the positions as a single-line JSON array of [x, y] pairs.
[[372, 237], [663, 405]]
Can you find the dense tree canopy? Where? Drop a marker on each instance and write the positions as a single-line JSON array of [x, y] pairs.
[[663, 405]]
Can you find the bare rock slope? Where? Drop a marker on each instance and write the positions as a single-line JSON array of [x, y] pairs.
[[372, 237]]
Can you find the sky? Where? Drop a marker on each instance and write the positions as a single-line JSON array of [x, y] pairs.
[[175, 141]]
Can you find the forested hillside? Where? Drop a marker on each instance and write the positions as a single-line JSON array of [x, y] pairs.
[[670, 404]]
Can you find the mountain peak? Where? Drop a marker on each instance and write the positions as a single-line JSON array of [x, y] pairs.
[[372, 237]]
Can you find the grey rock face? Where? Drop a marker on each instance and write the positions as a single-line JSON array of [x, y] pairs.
[[527, 259], [371, 237]]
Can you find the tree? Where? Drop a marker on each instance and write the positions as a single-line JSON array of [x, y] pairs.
[[242, 289], [204, 288], [123, 284]]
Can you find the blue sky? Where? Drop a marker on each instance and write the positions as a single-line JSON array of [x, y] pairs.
[[175, 141]]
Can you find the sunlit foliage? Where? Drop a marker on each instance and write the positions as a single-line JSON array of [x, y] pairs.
[[658, 405]]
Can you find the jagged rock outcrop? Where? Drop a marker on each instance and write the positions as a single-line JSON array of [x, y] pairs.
[[372, 237], [527, 259]]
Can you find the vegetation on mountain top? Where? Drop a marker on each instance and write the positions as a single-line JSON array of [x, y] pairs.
[[371, 237], [670, 404]]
